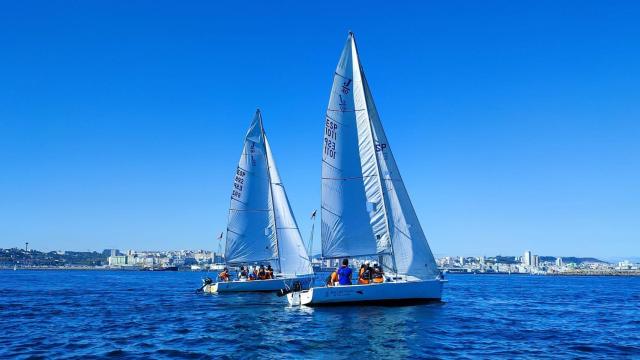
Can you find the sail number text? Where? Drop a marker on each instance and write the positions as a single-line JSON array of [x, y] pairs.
[[330, 138], [238, 183]]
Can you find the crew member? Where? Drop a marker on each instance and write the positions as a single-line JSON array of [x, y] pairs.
[[378, 274], [333, 278], [253, 275], [363, 278], [243, 273], [270, 272], [344, 273], [224, 275], [262, 274]]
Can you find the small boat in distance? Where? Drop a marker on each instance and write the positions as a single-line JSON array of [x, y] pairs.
[[261, 229], [366, 210]]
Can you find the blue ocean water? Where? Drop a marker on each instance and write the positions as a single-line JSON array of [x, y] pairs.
[[115, 314]]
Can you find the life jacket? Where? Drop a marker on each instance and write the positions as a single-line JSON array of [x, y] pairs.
[[362, 281], [366, 274], [269, 274], [334, 278], [378, 279], [224, 276], [262, 275]]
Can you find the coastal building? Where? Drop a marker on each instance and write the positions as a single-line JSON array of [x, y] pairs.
[[117, 260], [527, 258], [559, 262], [535, 261]]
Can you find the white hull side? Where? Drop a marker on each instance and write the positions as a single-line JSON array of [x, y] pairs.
[[271, 285], [403, 292]]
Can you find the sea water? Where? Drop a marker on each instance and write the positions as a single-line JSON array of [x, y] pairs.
[[113, 314]]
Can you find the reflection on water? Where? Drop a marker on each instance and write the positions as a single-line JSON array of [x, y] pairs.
[[156, 315]]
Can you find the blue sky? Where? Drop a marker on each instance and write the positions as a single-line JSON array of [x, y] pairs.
[[515, 124]]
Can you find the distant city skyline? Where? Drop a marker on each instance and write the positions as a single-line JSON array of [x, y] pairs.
[[515, 125]]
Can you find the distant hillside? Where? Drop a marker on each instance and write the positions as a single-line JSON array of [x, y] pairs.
[[516, 259], [572, 259], [10, 257]]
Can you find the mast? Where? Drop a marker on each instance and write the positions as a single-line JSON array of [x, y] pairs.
[[273, 211], [377, 161], [313, 227]]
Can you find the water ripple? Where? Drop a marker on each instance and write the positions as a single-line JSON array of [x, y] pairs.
[[141, 315]]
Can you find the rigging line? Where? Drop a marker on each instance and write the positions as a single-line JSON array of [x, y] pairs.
[[241, 202], [350, 178], [334, 120], [355, 256], [249, 210], [345, 111], [335, 167], [234, 232], [324, 208], [402, 232]]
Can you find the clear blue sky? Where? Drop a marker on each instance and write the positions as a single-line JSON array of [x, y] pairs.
[[516, 125]]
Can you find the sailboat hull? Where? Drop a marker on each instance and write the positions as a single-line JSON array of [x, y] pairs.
[[272, 285], [391, 293]]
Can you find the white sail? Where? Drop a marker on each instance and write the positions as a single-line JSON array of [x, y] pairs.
[[293, 259], [366, 208], [411, 251], [352, 215], [251, 234]]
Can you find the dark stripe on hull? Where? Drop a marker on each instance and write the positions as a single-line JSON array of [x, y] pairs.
[[389, 302]]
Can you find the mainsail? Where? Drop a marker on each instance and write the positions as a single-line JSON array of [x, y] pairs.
[[261, 225], [366, 209]]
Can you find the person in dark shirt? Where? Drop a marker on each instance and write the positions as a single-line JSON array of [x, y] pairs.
[[344, 273], [270, 272], [262, 274], [243, 274]]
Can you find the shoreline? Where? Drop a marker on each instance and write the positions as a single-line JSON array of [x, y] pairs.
[[617, 273]]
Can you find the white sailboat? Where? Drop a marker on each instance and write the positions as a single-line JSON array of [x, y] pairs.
[[261, 227], [366, 210]]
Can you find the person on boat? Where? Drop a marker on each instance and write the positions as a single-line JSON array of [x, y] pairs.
[[253, 275], [344, 273], [243, 274], [332, 279], [377, 274], [363, 275], [224, 275], [269, 272], [262, 274]]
